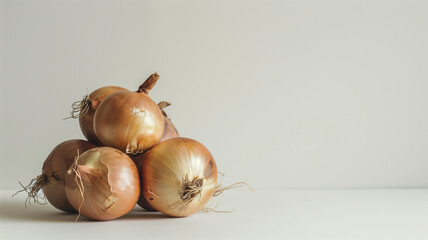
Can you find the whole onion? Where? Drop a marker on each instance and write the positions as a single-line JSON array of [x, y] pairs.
[[178, 176], [130, 121], [103, 184], [85, 110], [55, 167], [169, 130]]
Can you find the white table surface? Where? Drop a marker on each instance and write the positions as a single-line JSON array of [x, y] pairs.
[[262, 214]]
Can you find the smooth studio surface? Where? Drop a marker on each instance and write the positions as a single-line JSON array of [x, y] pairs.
[[269, 214]]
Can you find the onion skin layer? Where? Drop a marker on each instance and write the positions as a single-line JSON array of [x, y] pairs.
[[110, 183], [55, 169], [86, 121], [138, 160], [169, 130], [164, 172], [129, 121]]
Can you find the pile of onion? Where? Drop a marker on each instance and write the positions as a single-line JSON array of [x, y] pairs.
[[134, 154]]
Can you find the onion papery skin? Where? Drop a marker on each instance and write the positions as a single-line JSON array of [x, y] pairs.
[[167, 167], [109, 181], [169, 130], [138, 160], [86, 119], [129, 121], [55, 170]]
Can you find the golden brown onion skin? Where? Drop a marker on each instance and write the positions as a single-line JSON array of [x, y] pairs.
[[165, 169], [111, 184], [142, 202], [55, 169], [138, 160], [86, 123], [129, 121], [86, 120], [169, 130]]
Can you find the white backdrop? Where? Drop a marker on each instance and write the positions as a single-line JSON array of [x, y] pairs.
[[285, 94]]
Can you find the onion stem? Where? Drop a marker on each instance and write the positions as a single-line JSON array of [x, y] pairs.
[[149, 83]]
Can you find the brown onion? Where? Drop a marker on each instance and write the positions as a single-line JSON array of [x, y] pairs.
[[138, 160], [85, 110], [55, 167], [103, 184], [169, 130], [130, 121], [178, 177]]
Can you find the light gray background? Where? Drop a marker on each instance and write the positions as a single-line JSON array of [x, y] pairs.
[[285, 94]]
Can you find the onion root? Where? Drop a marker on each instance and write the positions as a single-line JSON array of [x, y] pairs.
[[80, 108], [219, 192], [78, 179], [33, 188]]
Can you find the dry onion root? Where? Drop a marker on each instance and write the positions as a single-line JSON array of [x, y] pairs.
[[52, 179], [178, 177], [130, 121], [169, 129], [85, 110], [103, 184], [219, 193]]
